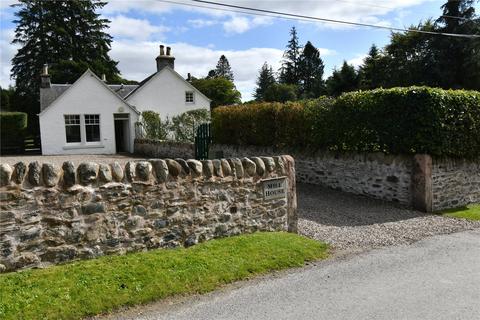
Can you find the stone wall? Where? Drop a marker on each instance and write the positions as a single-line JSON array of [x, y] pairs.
[[375, 175], [417, 181], [455, 183], [164, 149], [50, 215]]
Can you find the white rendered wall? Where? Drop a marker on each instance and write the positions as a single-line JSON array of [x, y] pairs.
[[86, 96], [165, 94]]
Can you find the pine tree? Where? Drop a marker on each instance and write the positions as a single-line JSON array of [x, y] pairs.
[[67, 35], [266, 79], [310, 69], [372, 70], [289, 73], [462, 56], [223, 68], [343, 80]]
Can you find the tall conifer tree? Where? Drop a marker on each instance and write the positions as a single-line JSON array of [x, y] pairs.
[[289, 72], [68, 35], [265, 80], [223, 68], [310, 69]]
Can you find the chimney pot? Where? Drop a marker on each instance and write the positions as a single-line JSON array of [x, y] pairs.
[[164, 60], [189, 77], [45, 70], [104, 78]]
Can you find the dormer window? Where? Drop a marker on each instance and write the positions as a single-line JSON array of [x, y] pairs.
[[189, 97]]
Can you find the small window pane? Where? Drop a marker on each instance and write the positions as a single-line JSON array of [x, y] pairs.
[[188, 96], [92, 127], [72, 127]]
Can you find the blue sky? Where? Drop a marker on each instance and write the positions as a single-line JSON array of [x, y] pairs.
[[198, 36]]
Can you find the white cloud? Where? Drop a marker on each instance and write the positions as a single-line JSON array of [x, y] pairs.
[[240, 24], [201, 23], [7, 51], [139, 29], [7, 3], [350, 10], [137, 60], [357, 61]]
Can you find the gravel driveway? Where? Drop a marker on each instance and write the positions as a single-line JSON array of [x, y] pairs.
[[350, 222]]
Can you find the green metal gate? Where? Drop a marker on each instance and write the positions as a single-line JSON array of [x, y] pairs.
[[203, 139]]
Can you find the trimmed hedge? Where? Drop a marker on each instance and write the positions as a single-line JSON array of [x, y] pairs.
[[12, 130], [397, 121]]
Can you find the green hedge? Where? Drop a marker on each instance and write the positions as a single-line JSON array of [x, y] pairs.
[[12, 130], [398, 121]]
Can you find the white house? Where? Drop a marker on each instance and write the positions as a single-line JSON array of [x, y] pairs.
[[91, 116]]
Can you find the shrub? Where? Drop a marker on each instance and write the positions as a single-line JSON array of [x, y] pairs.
[[12, 129], [398, 120], [152, 127], [184, 126]]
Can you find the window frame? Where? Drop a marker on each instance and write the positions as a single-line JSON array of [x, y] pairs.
[[98, 123], [186, 96], [67, 118]]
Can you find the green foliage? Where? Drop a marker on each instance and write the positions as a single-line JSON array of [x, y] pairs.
[[220, 90], [266, 78], [470, 212], [398, 121], [68, 35], [12, 131], [13, 123], [223, 69], [153, 127], [289, 72], [84, 288], [6, 99], [184, 125], [310, 69], [344, 80], [266, 124], [281, 92]]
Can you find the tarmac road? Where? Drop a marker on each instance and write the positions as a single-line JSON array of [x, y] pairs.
[[436, 278]]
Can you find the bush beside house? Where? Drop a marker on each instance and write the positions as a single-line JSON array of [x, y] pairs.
[[395, 121], [12, 131]]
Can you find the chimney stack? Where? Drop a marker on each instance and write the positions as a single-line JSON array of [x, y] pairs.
[[164, 60], [45, 77], [104, 78]]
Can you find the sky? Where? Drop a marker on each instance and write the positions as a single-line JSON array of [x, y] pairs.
[[199, 35]]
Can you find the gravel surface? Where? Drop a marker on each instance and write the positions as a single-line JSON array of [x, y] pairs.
[[77, 159], [350, 222]]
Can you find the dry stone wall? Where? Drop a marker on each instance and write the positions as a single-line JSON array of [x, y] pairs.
[[375, 174], [51, 214], [455, 183], [164, 149]]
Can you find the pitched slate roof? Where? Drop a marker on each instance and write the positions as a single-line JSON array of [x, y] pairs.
[[48, 95]]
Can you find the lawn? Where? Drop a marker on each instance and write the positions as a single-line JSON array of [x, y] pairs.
[[471, 212], [89, 287]]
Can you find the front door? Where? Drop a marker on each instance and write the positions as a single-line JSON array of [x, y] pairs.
[[122, 132]]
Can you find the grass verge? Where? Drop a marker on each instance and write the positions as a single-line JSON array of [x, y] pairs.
[[471, 212], [89, 287]]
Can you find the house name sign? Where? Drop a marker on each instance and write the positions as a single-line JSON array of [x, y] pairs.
[[274, 188]]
